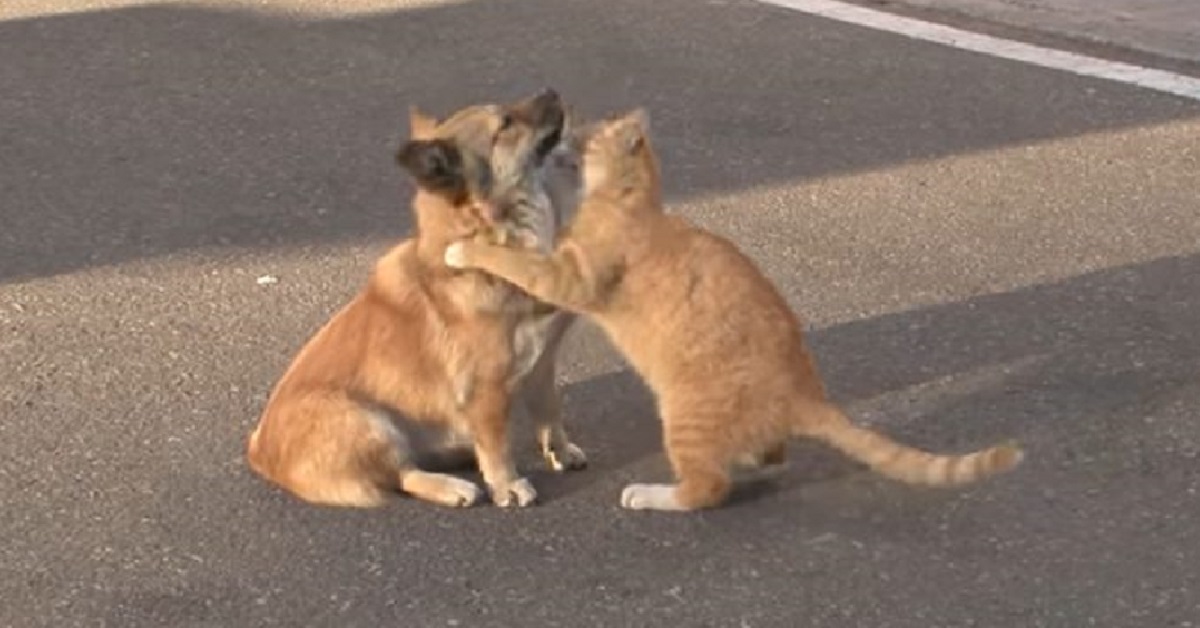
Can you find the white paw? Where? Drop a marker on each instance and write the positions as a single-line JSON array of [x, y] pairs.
[[569, 458], [462, 493], [455, 255], [517, 493], [649, 497]]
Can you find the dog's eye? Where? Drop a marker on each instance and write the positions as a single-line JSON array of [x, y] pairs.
[[505, 123]]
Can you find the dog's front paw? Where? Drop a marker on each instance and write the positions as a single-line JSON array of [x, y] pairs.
[[456, 255], [518, 493], [566, 458]]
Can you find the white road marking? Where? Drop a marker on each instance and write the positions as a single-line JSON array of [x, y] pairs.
[[1083, 65]]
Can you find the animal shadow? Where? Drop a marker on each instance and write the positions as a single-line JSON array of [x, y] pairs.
[[613, 417]]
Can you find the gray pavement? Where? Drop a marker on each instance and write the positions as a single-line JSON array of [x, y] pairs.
[[1168, 28], [984, 250]]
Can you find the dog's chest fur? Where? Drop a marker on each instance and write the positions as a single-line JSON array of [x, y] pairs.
[[529, 341], [533, 333]]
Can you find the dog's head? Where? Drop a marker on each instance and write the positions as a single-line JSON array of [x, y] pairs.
[[516, 137], [486, 164]]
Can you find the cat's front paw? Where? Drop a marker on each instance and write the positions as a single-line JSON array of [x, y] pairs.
[[456, 255], [649, 497]]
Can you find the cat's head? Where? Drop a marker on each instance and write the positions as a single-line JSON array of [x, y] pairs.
[[618, 158]]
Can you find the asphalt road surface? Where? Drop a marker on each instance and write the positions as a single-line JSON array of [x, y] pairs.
[[982, 249]]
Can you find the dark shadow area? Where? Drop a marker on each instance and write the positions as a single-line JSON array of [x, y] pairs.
[[614, 418], [149, 131], [1063, 367]]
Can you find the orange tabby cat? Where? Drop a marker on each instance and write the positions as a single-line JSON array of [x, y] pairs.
[[704, 327]]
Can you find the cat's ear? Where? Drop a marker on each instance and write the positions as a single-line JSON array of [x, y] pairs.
[[583, 131], [435, 164], [631, 130], [420, 124]]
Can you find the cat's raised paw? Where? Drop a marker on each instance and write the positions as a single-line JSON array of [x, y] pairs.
[[456, 255]]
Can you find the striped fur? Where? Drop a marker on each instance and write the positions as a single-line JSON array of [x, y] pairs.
[[901, 462]]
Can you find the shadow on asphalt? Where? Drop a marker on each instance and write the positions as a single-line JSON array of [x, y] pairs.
[[1099, 350], [614, 418], [149, 131], [1093, 359], [1095, 374]]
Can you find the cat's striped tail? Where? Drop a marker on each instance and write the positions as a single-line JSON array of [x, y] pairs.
[[826, 422]]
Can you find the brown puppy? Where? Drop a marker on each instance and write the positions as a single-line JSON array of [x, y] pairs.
[[708, 332], [418, 371]]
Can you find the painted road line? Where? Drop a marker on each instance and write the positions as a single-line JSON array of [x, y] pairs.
[[1083, 65]]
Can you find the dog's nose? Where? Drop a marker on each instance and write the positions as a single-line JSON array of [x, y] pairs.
[[547, 95], [491, 211], [543, 109]]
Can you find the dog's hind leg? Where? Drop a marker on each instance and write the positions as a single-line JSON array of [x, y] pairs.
[[438, 488], [395, 461]]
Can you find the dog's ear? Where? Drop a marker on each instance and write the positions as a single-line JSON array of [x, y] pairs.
[[420, 125], [435, 164], [641, 118]]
